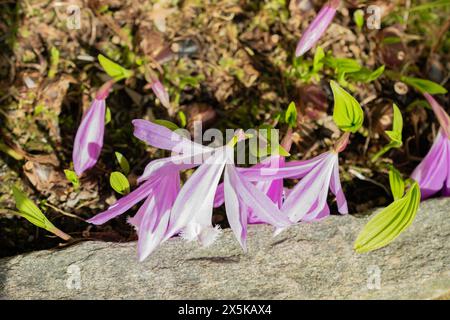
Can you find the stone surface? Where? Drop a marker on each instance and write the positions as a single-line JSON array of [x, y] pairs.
[[308, 261]]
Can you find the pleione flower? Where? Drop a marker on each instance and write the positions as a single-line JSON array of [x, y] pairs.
[[192, 210], [184, 151], [307, 201], [433, 172], [274, 189], [89, 137], [317, 27], [160, 187], [151, 220]]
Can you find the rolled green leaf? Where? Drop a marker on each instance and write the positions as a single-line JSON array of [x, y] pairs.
[[395, 135], [113, 69], [182, 117], [166, 123], [390, 222], [348, 114], [73, 178], [358, 17], [397, 183], [33, 214], [123, 162], [291, 115], [424, 86], [318, 59]]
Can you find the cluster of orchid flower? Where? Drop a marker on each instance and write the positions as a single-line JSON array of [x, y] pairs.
[[251, 195], [255, 194]]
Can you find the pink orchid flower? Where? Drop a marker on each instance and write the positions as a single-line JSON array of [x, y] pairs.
[[272, 188], [433, 173], [152, 217], [89, 137], [192, 210], [160, 187], [307, 201], [317, 27]]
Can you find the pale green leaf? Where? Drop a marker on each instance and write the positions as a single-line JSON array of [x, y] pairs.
[[397, 122], [107, 116], [343, 65], [114, 70], [318, 59], [390, 222], [348, 114], [30, 211], [182, 117], [358, 17], [123, 162], [397, 183], [168, 124], [424, 85], [54, 61], [395, 135], [291, 115], [366, 75], [73, 178], [119, 182]]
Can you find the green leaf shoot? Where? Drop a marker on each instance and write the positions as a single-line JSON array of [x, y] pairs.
[[348, 114], [123, 162], [119, 183]]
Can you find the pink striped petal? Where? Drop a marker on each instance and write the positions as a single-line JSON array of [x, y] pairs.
[[317, 28], [89, 138], [336, 189], [309, 197], [441, 115], [433, 171], [163, 138], [192, 210], [152, 219], [125, 203], [255, 200]]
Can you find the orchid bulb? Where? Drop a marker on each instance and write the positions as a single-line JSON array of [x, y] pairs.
[[433, 173], [89, 137], [317, 27]]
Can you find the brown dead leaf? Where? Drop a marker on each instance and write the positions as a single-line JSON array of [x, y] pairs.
[[45, 178]]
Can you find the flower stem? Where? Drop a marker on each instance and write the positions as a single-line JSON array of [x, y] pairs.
[[60, 234], [342, 142], [103, 92], [286, 143]]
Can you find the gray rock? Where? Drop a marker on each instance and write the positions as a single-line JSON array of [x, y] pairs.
[[308, 261]]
